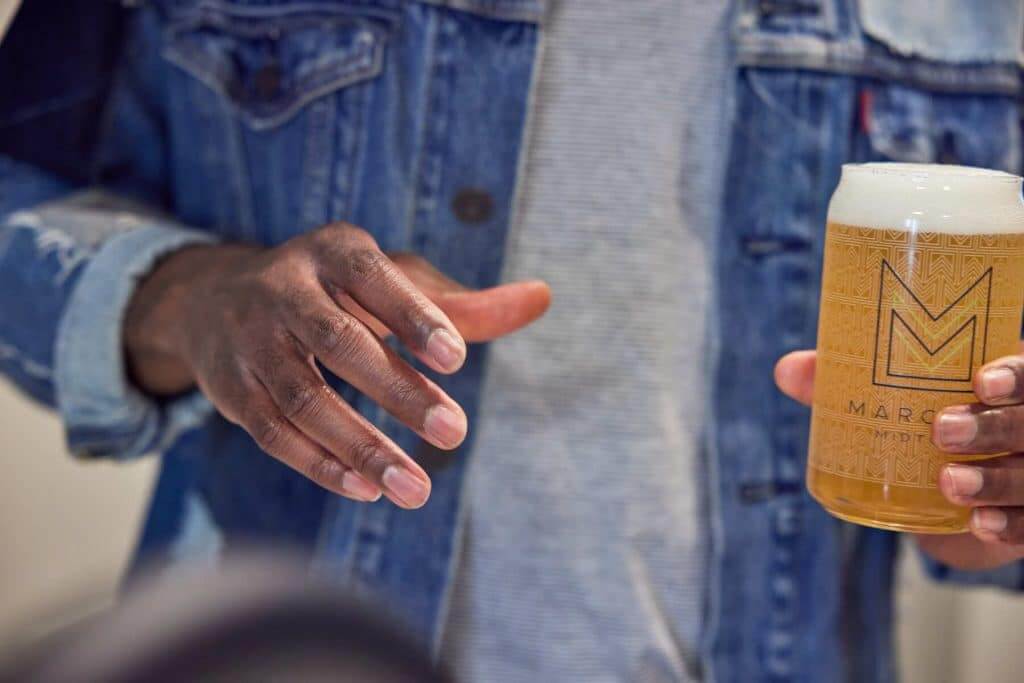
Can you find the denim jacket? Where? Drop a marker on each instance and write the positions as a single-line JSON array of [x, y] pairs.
[[174, 122]]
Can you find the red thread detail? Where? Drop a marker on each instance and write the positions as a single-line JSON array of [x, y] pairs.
[[866, 99]]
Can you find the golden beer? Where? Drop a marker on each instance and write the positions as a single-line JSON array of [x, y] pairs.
[[923, 283]]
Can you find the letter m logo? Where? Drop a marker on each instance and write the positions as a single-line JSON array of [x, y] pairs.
[[916, 348]]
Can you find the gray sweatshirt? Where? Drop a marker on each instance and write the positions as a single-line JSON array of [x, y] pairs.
[[584, 540]]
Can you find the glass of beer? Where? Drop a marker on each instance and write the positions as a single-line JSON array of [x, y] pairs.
[[923, 283]]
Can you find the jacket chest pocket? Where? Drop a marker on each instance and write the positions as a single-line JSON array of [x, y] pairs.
[[265, 108]]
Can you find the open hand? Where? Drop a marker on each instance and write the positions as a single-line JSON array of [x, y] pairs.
[[247, 325]]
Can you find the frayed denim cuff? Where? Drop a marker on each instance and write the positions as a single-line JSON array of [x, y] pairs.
[[104, 414]]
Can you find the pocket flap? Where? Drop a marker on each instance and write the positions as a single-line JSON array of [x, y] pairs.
[[268, 65]]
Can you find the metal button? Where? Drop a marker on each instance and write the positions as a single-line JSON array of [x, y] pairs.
[[473, 205], [267, 81]]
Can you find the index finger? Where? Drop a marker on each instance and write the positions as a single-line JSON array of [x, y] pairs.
[[356, 267]]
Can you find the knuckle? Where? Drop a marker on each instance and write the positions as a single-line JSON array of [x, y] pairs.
[[283, 276], [300, 399], [405, 393], [365, 455], [267, 430], [266, 359], [335, 241], [414, 321], [353, 233], [336, 335], [324, 470], [328, 233], [292, 253], [366, 263], [293, 295], [335, 229]]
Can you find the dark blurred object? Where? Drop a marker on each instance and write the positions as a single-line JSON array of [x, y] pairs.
[[57, 63], [254, 620]]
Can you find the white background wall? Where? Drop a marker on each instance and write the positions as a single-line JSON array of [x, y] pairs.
[[66, 529]]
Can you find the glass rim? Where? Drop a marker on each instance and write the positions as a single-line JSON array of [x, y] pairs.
[[937, 171]]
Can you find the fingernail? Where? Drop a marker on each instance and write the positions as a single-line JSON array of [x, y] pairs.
[[998, 383], [356, 485], [447, 351], [957, 429], [408, 489], [990, 519], [967, 481], [445, 426]]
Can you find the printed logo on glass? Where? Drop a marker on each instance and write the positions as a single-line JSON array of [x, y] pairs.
[[929, 348]]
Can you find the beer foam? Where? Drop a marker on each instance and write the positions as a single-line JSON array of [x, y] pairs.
[[928, 198]]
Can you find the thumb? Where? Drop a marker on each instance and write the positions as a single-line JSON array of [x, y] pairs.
[[794, 375], [491, 313], [479, 315]]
